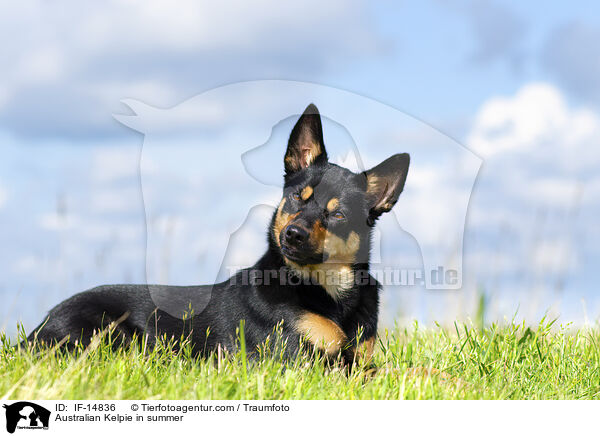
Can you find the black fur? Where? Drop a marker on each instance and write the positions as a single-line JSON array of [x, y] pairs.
[[287, 295]]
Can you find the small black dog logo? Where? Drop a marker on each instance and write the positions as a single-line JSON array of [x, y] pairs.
[[26, 415]]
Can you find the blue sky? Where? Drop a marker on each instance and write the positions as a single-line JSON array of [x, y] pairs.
[[518, 83]]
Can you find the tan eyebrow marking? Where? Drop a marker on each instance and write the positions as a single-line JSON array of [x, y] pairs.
[[333, 204], [306, 193]]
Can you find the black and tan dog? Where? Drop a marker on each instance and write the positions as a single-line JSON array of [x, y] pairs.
[[313, 280]]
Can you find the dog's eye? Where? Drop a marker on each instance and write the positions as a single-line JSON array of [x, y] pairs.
[[338, 215], [296, 196]]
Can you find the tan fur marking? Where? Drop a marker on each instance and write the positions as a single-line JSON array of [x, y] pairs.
[[290, 161], [304, 156], [321, 332], [378, 189], [306, 193], [373, 182], [309, 157], [340, 250], [281, 204], [338, 279], [309, 153], [335, 278], [282, 220], [317, 236], [333, 204], [335, 275]]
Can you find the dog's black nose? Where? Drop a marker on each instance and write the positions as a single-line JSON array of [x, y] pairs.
[[295, 236]]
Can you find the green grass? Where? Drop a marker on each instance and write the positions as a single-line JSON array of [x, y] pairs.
[[497, 362]]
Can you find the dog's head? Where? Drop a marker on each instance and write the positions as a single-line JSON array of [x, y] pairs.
[[327, 212]]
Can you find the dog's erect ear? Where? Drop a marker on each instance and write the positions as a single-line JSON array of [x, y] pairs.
[[305, 146], [385, 182]]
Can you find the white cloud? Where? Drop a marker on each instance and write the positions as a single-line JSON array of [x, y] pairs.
[[194, 25], [4, 95], [540, 147], [3, 196], [557, 192], [100, 231], [554, 256], [113, 200], [26, 264], [41, 65], [79, 62], [56, 222], [535, 116], [434, 182], [110, 164], [536, 190]]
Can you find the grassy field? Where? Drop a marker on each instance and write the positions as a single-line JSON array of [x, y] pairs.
[[497, 362]]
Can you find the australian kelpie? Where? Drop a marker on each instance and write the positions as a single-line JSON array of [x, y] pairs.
[[313, 282]]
